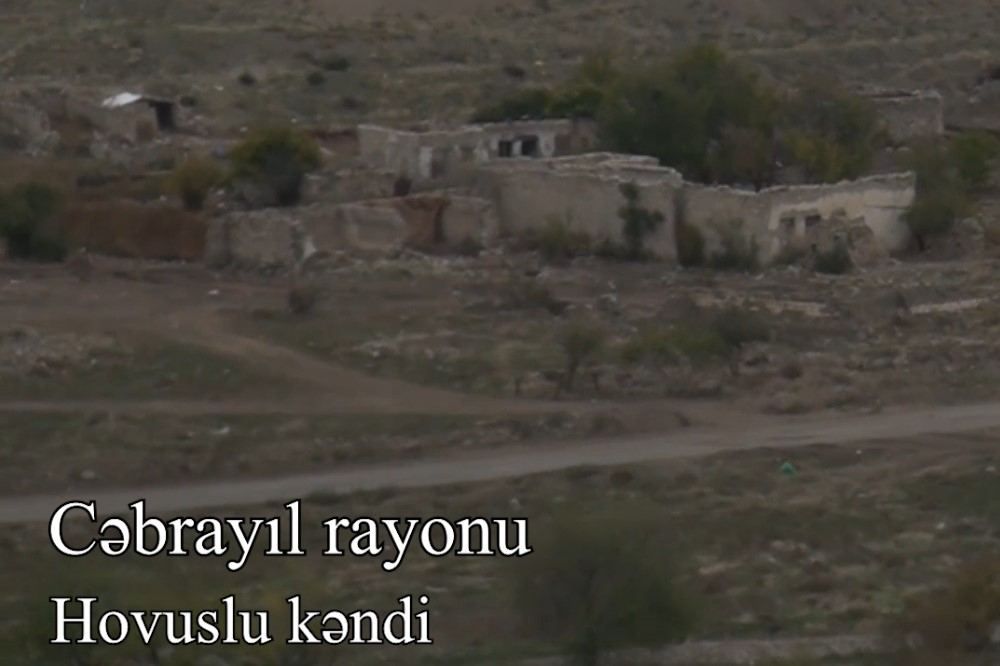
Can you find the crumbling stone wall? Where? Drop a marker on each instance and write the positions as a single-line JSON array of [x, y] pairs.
[[584, 193], [440, 155], [909, 115], [782, 216], [268, 239]]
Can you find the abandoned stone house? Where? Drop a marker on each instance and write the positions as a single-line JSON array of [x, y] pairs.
[[446, 155], [506, 179], [136, 118]]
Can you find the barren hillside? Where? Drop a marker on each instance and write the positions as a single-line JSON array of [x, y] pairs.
[[335, 61]]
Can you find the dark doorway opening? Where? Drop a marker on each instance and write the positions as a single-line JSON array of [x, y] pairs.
[[165, 119], [529, 146]]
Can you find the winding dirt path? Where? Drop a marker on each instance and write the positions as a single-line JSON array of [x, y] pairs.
[[511, 462]]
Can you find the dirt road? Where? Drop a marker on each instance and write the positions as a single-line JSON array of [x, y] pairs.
[[778, 433]]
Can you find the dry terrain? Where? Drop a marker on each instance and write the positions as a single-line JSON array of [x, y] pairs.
[[818, 448]]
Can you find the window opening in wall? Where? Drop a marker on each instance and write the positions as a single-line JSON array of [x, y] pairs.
[[505, 148], [813, 220], [529, 146], [788, 225]]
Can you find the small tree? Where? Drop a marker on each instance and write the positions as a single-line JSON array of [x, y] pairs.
[[599, 580], [278, 160], [942, 194], [581, 341], [637, 222]]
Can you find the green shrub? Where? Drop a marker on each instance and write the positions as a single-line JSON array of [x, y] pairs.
[[27, 223], [697, 342], [677, 110], [957, 619], [934, 213], [738, 327], [736, 251], [829, 132], [599, 580], [655, 346], [581, 342], [789, 255], [278, 160], [690, 245], [637, 222], [526, 294], [193, 180], [835, 260], [336, 63], [556, 241], [530, 103], [973, 154], [303, 297]]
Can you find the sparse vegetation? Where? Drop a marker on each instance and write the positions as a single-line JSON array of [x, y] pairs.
[[831, 134], [276, 160], [556, 241], [193, 180], [737, 251], [581, 341], [958, 619], [600, 580], [27, 223], [637, 222], [834, 260], [303, 296]]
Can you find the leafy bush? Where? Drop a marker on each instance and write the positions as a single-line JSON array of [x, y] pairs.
[[835, 260], [277, 159], [336, 63], [958, 619], [303, 297], [581, 341], [942, 194], [556, 241], [522, 293], [675, 111], [736, 252], [829, 132], [598, 580], [973, 153], [27, 223], [532, 103], [637, 222], [690, 245], [738, 327], [194, 179]]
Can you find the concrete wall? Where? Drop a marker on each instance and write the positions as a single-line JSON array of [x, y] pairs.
[[274, 238], [908, 115], [440, 154]]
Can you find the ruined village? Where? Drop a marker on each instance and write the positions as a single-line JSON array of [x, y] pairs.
[[703, 292]]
